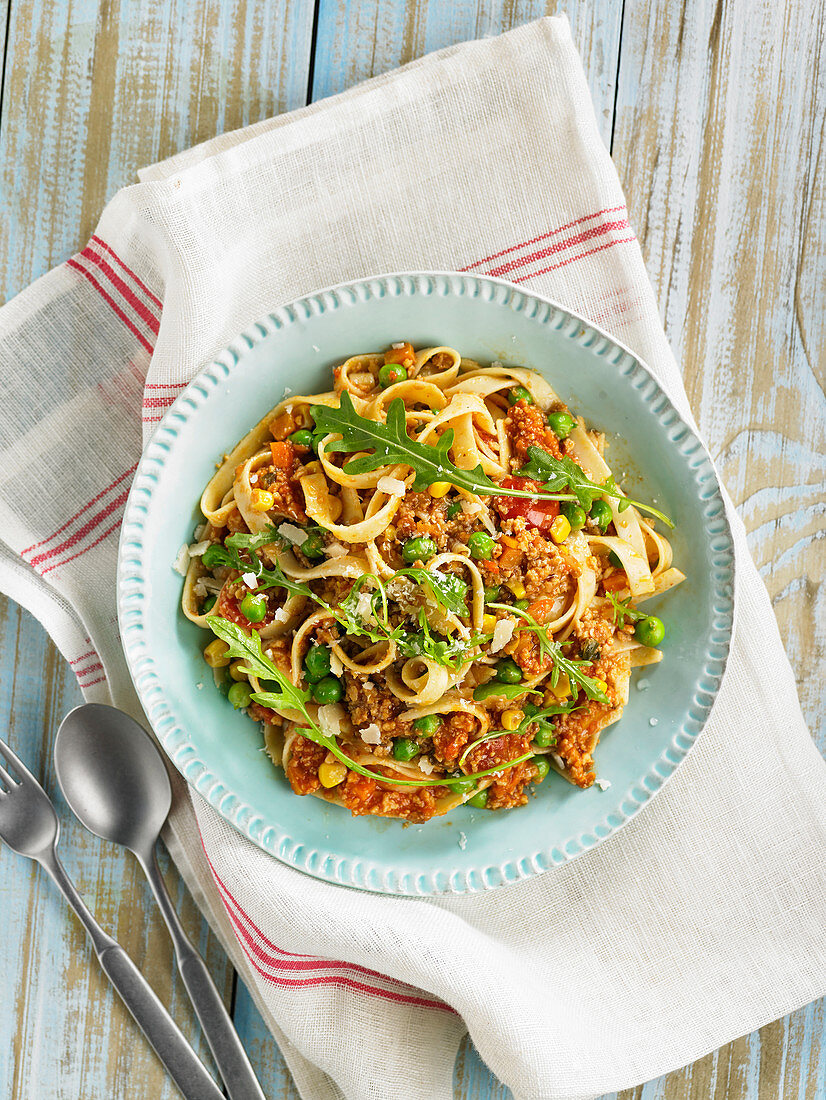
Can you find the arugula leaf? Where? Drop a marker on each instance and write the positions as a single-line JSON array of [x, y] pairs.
[[493, 688], [553, 650], [563, 473], [247, 647], [392, 446], [623, 611], [290, 697], [353, 620], [447, 588]]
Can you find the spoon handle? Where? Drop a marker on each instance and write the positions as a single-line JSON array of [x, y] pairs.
[[219, 1030], [181, 1061]]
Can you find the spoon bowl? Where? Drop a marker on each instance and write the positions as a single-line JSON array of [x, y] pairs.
[[112, 775]]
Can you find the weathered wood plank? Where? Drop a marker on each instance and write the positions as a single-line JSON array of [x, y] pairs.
[[718, 141], [94, 91], [362, 38]]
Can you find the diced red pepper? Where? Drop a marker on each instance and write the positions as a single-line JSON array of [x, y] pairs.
[[537, 513]]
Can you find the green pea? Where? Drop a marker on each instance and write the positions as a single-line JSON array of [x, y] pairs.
[[508, 671], [302, 438], [481, 546], [418, 549], [214, 555], [208, 604], [542, 768], [519, 393], [427, 724], [316, 663], [327, 690], [601, 515], [405, 748], [522, 605], [239, 695], [479, 801], [574, 515], [492, 592], [615, 560], [454, 508], [254, 606], [462, 786], [561, 423], [313, 546], [545, 735], [391, 373], [650, 630]]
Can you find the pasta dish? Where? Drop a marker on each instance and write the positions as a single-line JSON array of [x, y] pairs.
[[425, 583]]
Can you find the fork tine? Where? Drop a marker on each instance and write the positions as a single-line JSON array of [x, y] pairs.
[[11, 759], [6, 780]]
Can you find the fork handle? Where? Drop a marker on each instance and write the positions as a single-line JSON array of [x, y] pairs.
[[181, 1061], [168, 1042]]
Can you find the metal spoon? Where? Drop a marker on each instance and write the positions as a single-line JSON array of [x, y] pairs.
[[116, 783]]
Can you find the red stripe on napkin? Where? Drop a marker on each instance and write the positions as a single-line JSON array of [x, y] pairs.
[[79, 513], [558, 246], [126, 293], [85, 549], [573, 259], [111, 303], [542, 236], [138, 282]]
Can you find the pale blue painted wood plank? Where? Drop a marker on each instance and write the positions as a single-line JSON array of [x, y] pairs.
[[362, 38]]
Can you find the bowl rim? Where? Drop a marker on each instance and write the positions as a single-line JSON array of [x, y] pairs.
[[364, 872]]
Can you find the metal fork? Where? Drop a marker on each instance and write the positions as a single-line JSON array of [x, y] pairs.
[[29, 825]]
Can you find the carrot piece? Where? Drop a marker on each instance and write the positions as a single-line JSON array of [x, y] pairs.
[[616, 582], [282, 455]]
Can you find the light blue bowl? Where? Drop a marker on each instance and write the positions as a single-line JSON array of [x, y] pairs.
[[652, 451]]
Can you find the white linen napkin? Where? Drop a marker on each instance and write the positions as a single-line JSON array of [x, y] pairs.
[[703, 918]]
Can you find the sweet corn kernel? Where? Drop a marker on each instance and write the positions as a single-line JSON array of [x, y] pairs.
[[510, 719], [488, 624], [603, 687], [440, 489], [518, 589], [261, 500], [560, 529], [509, 540], [560, 692], [390, 533], [330, 775], [235, 670], [215, 654]]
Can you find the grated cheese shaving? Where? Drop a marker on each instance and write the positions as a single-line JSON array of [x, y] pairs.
[[371, 735], [471, 507], [335, 550], [200, 531], [336, 667], [281, 615], [293, 534], [198, 548], [181, 563], [329, 718], [397, 346], [392, 486], [426, 765], [502, 634], [603, 784], [250, 580]]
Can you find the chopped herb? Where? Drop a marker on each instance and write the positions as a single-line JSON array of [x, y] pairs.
[[445, 651], [520, 729], [563, 473], [448, 589], [590, 652], [623, 611]]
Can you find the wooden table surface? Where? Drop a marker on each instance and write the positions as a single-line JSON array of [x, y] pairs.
[[714, 112]]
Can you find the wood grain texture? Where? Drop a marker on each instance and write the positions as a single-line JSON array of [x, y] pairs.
[[715, 113], [358, 39]]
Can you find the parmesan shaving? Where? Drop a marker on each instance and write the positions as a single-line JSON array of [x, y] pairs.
[[329, 718], [250, 580], [293, 534], [198, 548], [371, 735], [336, 667], [181, 563], [426, 765], [335, 550], [502, 634], [282, 615], [471, 507], [392, 486]]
